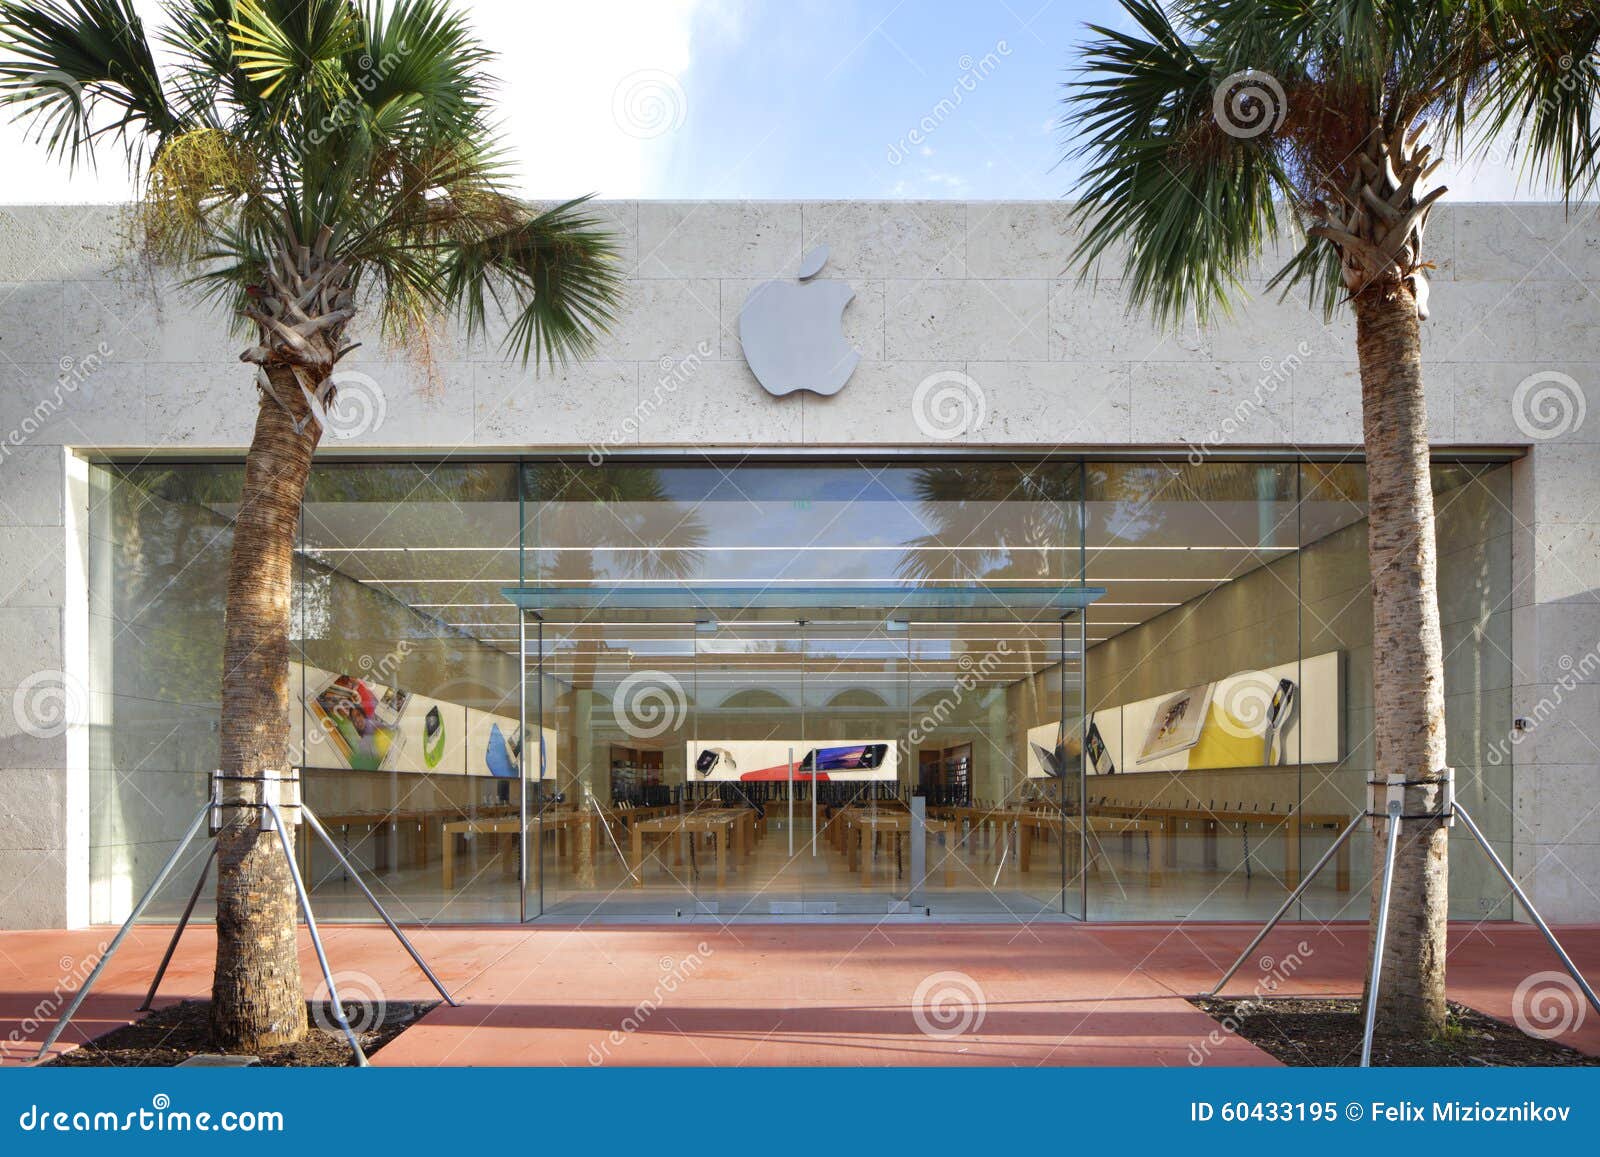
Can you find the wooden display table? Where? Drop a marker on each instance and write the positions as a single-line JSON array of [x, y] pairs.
[[574, 829], [862, 829], [1053, 822], [725, 824], [1290, 825]]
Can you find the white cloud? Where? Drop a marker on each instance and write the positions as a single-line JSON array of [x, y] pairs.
[[559, 66]]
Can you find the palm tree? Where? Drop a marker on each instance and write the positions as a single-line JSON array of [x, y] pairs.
[[304, 163], [1213, 126]]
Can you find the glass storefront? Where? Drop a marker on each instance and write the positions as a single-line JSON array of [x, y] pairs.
[[1017, 690]]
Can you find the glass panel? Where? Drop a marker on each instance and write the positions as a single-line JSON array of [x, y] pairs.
[[855, 695], [1473, 524], [1197, 766], [159, 541], [1472, 509], [995, 717], [1236, 594], [618, 700], [404, 691], [830, 524]]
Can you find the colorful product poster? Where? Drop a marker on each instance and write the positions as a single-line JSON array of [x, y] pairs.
[[751, 760], [350, 722], [1278, 716], [494, 748]]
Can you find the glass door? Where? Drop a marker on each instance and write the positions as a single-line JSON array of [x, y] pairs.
[[614, 703], [995, 738], [859, 776], [748, 796]]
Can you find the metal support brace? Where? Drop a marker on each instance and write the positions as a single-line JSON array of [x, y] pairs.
[[278, 790], [1449, 810], [1380, 934]]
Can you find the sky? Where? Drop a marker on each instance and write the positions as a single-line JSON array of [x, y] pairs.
[[781, 99]]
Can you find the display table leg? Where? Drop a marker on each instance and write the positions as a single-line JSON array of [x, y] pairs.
[[583, 860]]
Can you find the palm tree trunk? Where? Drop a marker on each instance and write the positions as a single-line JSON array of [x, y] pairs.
[[256, 998], [1407, 656]]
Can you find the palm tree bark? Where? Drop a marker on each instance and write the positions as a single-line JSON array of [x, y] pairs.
[[1407, 656], [257, 1001]]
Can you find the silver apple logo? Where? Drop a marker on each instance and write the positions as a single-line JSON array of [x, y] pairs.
[[792, 331]]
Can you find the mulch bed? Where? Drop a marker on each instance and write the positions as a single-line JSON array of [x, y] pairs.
[[173, 1034], [1327, 1031]]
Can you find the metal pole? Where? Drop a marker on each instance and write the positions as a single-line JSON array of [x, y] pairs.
[[311, 927], [813, 814], [1380, 934], [791, 803], [177, 933], [1287, 904], [522, 788], [122, 933], [1522, 897], [316, 826]]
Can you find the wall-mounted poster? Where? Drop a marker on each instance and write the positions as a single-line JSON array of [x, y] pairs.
[[351, 722], [732, 760], [1272, 717], [356, 723], [494, 747]]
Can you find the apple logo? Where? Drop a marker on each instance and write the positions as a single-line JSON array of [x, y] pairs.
[[792, 333]]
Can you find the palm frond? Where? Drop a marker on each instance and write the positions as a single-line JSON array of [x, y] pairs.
[[554, 275], [74, 71], [1191, 204]]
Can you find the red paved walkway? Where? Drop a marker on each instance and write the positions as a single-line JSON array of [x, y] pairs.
[[793, 994]]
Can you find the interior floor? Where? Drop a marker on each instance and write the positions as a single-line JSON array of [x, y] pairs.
[[770, 882]]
